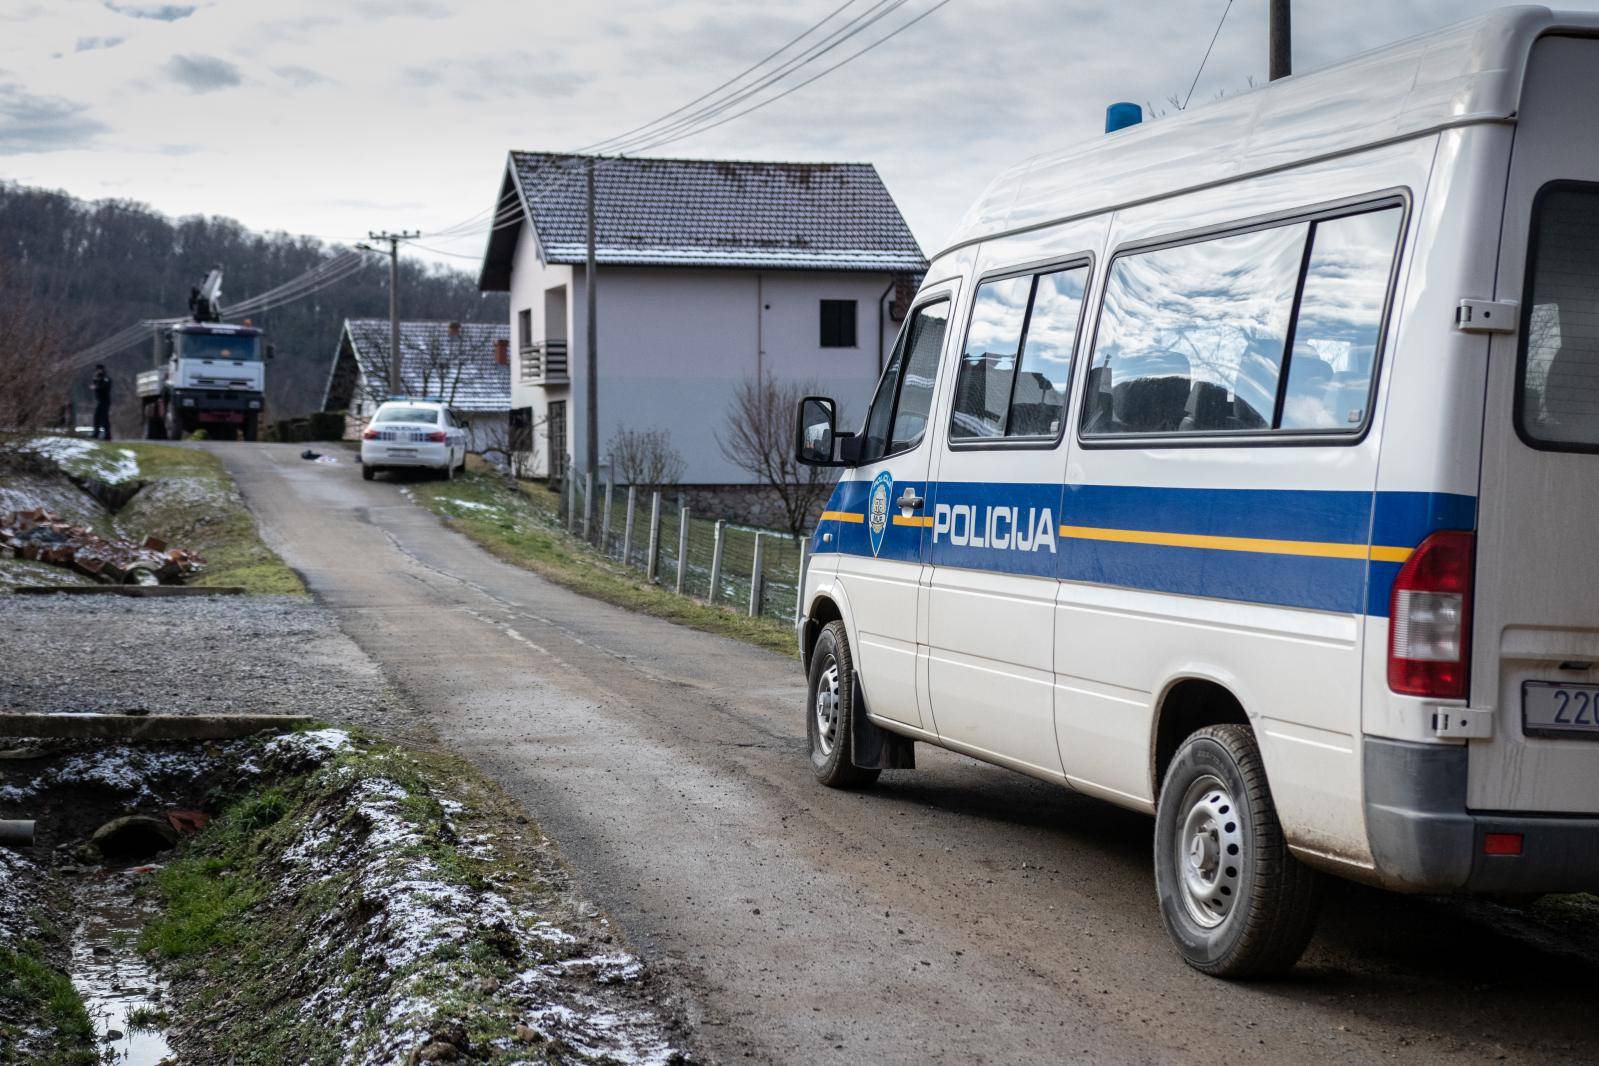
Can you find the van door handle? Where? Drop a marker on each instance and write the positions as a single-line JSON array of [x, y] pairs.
[[909, 501]]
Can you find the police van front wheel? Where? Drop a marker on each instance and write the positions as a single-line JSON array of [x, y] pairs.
[[830, 711], [1234, 900]]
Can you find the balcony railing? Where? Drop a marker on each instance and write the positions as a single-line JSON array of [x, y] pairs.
[[544, 361]]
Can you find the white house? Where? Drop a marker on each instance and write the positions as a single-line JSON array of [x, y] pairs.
[[467, 365], [708, 273]]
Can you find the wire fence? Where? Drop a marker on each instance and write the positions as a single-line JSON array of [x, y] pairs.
[[755, 570]]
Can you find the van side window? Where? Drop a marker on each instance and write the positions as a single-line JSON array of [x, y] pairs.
[[1016, 367], [1271, 329], [1559, 387], [1340, 321], [898, 416]]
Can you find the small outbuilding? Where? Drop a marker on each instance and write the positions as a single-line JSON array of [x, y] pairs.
[[466, 365]]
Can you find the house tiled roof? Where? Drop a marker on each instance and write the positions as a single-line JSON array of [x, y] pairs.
[[457, 362], [705, 213]]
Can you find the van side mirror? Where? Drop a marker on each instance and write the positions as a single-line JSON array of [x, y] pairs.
[[815, 434], [271, 350]]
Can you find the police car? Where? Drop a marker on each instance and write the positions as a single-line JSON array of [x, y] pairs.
[[1240, 468], [413, 433]]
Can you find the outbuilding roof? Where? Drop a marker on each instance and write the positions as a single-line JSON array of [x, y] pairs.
[[701, 212], [458, 362], [1467, 73]]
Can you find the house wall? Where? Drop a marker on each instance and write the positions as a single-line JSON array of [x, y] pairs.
[[674, 345], [530, 279]]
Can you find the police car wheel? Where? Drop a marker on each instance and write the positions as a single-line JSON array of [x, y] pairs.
[[830, 709], [1235, 902], [368, 471]]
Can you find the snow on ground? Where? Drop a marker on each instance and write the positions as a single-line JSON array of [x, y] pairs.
[[88, 458], [138, 772]]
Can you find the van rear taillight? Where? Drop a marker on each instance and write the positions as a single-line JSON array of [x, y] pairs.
[[1429, 618]]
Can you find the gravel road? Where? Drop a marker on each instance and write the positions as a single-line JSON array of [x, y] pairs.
[[214, 654], [957, 913]]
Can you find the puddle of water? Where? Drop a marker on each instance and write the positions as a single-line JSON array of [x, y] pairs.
[[110, 974]]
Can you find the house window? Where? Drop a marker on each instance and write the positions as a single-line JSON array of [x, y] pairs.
[[524, 327], [838, 324]]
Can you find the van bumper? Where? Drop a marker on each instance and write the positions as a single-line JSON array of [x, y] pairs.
[[1425, 840]]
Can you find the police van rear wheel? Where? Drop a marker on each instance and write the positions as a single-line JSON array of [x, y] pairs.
[[1234, 900], [830, 712]]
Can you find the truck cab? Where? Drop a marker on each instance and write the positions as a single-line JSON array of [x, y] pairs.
[[212, 376]]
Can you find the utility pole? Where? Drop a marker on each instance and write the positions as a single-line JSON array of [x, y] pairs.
[[592, 451], [1282, 41], [394, 239]]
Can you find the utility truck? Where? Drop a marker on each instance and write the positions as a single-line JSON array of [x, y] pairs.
[[208, 374]]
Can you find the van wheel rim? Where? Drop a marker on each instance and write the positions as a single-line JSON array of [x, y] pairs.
[[1210, 850], [827, 709]]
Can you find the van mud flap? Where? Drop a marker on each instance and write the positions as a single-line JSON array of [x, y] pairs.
[[875, 748]]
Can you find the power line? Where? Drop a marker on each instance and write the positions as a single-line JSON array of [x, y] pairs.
[[1220, 23], [795, 88], [662, 132], [853, 26]]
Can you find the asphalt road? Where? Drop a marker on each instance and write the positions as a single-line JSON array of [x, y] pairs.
[[956, 913]]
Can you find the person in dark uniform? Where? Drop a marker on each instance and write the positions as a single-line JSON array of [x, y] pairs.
[[101, 387]]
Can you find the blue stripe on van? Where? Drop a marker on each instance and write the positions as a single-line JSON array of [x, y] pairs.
[[1287, 577]]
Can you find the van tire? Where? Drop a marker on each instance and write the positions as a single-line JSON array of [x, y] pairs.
[[833, 680], [1260, 910]]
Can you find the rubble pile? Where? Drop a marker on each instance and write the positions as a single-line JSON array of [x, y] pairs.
[[43, 536]]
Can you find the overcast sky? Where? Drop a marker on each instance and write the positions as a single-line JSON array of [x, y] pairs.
[[332, 118]]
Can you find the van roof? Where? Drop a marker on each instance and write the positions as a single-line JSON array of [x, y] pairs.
[[1467, 73]]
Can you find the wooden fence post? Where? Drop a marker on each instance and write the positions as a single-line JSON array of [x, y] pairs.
[[627, 526], [682, 548], [652, 565], [716, 562], [605, 519], [755, 574]]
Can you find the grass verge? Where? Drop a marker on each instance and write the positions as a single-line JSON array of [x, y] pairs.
[[43, 1004], [190, 501], [519, 525], [377, 904]]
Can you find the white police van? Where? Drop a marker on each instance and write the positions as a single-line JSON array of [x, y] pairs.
[[1240, 468]]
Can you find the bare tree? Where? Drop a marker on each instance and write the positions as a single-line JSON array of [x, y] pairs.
[[32, 344], [645, 457], [759, 438]]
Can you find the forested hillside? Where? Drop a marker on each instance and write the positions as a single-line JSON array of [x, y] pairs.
[[105, 264]]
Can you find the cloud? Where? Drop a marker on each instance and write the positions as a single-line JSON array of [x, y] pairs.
[[159, 12], [89, 44], [301, 77], [203, 74], [30, 123]]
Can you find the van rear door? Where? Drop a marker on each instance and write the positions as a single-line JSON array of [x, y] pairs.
[[1535, 657]]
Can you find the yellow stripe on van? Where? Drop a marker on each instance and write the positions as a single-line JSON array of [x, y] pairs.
[[913, 520], [1311, 548], [842, 516]]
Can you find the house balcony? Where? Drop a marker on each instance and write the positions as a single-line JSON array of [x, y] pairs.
[[544, 363]]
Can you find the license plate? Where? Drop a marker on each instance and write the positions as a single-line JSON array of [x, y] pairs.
[[402, 451], [1551, 709]]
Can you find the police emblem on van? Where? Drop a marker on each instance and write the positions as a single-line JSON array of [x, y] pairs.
[[877, 510]]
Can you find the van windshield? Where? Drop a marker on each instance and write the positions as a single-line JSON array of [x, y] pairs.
[[1559, 387]]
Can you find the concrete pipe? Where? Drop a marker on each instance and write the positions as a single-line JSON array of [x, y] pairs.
[[16, 833]]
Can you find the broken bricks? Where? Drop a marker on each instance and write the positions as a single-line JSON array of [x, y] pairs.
[[40, 535]]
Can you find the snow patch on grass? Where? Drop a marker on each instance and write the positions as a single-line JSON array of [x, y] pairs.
[[88, 458]]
